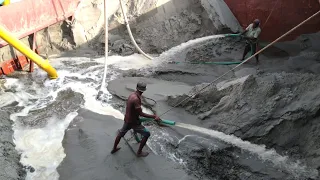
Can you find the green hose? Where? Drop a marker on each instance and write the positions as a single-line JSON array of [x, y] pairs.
[[232, 35], [163, 121], [138, 137]]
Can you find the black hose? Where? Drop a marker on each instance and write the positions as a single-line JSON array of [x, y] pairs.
[[155, 102]]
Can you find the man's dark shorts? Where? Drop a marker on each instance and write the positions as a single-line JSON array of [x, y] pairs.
[[251, 47], [136, 128]]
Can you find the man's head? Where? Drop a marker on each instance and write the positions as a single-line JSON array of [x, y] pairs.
[[141, 86], [256, 23]]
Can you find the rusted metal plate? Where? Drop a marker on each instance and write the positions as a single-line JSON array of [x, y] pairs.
[[286, 14], [8, 67], [28, 16], [18, 63], [22, 61]]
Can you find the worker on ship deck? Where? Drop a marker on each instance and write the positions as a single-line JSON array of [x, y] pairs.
[[251, 35], [131, 120]]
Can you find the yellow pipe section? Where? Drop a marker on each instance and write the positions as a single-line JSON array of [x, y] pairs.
[[24, 49], [6, 2]]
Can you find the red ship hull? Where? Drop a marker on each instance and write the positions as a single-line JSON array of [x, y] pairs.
[[28, 16], [285, 14]]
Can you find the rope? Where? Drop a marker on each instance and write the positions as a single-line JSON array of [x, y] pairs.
[[296, 27], [257, 45], [270, 14]]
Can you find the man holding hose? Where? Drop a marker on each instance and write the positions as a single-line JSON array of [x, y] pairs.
[[132, 121], [251, 35]]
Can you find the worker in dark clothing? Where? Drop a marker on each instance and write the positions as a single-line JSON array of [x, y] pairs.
[[251, 35], [131, 120]]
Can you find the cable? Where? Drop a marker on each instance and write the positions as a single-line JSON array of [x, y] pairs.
[[130, 33], [303, 22], [155, 102], [103, 83], [270, 14]]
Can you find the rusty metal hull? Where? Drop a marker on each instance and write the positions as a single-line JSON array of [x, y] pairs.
[[28, 16], [286, 14]]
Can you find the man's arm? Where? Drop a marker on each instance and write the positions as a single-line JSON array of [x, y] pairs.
[[246, 30], [254, 39], [141, 113]]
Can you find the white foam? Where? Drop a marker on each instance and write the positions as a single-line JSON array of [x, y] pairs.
[[6, 99], [134, 61], [42, 147]]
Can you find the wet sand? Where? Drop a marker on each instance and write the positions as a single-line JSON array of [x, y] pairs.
[[88, 143], [203, 155]]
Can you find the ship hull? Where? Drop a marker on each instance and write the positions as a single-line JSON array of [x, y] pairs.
[[284, 15], [28, 16]]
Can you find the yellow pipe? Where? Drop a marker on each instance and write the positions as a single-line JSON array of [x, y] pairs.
[[6, 2], [24, 49]]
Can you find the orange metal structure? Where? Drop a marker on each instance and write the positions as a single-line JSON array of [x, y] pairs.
[[25, 18], [29, 16]]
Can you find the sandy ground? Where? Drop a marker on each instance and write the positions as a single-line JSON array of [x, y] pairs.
[[88, 143], [9, 158], [279, 93], [203, 156]]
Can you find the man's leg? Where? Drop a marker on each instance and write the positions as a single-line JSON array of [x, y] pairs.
[[246, 50], [146, 134], [125, 128]]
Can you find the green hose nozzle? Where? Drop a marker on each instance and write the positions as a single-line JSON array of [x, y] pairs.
[[232, 35], [168, 122], [163, 121]]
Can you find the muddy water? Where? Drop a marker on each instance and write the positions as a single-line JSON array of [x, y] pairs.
[[45, 107]]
